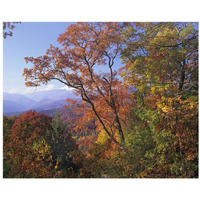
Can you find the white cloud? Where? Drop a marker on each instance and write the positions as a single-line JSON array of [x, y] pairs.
[[21, 91], [31, 89], [48, 87], [37, 89], [13, 91], [66, 88]]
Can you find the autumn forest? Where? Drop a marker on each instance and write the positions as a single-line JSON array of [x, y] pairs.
[[136, 111]]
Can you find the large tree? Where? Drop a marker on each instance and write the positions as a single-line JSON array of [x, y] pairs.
[[162, 65], [87, 48], [27, 153]]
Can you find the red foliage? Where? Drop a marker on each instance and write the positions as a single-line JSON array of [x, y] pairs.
[[29, 126]]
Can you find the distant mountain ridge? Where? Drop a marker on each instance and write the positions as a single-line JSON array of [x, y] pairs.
[[39, 101], [47, 104], [11, 106], [19, 99]]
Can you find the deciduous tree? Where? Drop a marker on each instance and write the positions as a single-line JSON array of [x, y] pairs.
[[87, 47], [162, 66], [29, 154]]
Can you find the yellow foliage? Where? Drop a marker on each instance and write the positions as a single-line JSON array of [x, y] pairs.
[[102, 137]]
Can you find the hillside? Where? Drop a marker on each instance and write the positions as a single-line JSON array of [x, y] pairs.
[[11, 106], [15, 104]]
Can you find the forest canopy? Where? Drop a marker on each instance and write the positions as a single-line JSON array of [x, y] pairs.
[[137, 120]]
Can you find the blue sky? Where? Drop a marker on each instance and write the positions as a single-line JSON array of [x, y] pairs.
[[29, 39]]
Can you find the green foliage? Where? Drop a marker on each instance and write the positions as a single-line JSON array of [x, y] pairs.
[[62, 145], [162, 66], [35, 146], [157, 114]]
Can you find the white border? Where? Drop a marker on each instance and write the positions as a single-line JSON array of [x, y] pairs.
[[102, 10]]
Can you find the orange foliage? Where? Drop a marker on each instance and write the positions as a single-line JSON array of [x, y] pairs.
[[85, 46]]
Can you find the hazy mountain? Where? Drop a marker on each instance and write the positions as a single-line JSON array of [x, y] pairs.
[[47, 104], [39, 101], [11, 106], [48, 112], [19, 99]]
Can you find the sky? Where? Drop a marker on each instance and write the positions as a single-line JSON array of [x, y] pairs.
[[29, 39], [32, 39]]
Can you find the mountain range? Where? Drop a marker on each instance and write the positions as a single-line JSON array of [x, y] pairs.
[[39, 101]]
